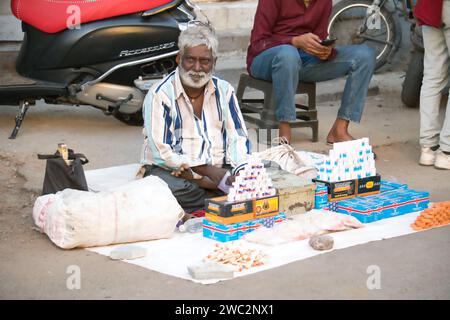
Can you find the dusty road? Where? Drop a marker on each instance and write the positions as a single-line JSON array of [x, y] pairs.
[[31, 267]]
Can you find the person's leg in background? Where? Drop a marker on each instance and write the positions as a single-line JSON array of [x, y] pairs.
[[280, 65], [358, 63], [443, 154], [284, 66], [434, 139]]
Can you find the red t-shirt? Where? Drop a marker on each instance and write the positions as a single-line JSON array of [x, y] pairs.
[[429, 12], [278, 21]]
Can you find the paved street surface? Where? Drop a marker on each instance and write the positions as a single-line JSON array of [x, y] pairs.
[[31, 267]]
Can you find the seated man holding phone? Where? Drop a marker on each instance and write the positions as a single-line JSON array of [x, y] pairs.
[[289, 44]]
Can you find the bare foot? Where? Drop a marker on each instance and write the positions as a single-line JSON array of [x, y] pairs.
[[333, 137], [339, 132], [284, 129]]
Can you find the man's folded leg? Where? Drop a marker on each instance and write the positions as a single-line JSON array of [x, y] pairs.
[[188, 194]]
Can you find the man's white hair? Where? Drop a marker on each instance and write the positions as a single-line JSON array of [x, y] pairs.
[[198, 35]]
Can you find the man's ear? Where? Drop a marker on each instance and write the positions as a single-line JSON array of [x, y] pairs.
[[215, 61], [178, 59]]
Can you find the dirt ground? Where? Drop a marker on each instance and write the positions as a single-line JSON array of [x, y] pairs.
[[16, 224], [416, 266]]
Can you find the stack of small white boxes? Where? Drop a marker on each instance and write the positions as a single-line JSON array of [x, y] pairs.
[[346, 161], [251, 182], [252, 203]]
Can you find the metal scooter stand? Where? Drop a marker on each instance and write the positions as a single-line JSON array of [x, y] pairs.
[[24, 105], [113, 110]]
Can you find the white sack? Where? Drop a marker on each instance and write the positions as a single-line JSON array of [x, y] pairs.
[[143, 209]]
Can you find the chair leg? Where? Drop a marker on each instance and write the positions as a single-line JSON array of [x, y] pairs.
[[267, 113], [315, 131], [241, 89], [269, 138], [312, 99]]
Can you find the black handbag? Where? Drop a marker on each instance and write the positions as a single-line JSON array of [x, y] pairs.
[[59, 175]]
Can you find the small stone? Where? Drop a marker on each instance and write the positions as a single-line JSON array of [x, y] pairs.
[[211, 270], [37, 229], [128, 253], [321, 243]]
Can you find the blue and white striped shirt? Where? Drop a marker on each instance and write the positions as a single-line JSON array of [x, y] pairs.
[[174, 135]]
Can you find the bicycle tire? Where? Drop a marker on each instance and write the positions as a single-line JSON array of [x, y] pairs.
[[391, 24]]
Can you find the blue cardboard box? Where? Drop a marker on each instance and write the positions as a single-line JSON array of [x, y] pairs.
[[384, 205], [388, 186], [230, 232], [221, 232], [321, 196]]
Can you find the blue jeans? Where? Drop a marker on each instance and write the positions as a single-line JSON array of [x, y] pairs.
[[286, 65]]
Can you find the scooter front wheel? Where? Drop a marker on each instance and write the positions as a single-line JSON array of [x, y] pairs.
[[131, 119], [350, 25]]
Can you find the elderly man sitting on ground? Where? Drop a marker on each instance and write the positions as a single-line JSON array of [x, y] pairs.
[[193, 126]]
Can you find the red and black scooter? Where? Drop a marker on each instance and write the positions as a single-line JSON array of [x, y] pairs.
[[105, 54]]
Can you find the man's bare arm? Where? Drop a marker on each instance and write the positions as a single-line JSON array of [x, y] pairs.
[[213, 173], [185, 172]]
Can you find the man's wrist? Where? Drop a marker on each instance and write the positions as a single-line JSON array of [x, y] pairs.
[[295, 41]]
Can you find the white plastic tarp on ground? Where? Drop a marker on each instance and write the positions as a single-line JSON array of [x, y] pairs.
[[172, 256]]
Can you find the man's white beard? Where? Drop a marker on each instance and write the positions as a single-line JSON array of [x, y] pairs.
[[188, 81]]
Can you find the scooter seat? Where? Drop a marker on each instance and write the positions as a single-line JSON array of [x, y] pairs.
[[57, 15]]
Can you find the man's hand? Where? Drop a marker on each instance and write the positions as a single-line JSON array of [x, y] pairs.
[[230, 180], [310, 43], [184, 171]]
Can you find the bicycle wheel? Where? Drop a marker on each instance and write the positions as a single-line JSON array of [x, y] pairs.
[[345, 23]]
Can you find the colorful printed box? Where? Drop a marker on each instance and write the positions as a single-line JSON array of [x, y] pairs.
[[221, 207], [230, 232], [338, 191], [384, 205], [221, 232], [388, 186], [321, 196], [237, 218]]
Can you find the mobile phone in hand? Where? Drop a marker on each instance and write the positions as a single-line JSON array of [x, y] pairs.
[[328, 42]]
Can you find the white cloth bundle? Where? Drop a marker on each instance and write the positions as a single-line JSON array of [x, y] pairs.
[[288, 159]]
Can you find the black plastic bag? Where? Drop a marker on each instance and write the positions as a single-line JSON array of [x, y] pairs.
[[59, 175]]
